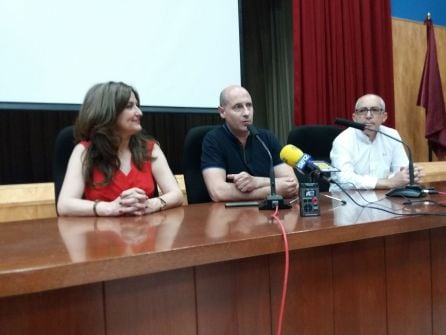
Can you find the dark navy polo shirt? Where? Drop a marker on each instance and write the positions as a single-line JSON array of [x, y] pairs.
[[221, 149]]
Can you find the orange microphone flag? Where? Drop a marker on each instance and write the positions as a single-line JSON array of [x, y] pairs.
[[430, 96]]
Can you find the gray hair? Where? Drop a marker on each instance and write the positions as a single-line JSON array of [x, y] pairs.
[[381, 102]]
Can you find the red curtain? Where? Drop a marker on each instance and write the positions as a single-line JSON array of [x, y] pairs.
[[342, 50]]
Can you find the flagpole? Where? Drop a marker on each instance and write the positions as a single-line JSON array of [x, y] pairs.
[[429, 146]]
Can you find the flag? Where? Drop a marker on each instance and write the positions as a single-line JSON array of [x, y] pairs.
[[430, 96]]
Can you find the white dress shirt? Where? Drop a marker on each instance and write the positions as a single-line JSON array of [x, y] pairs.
[[362, 161]]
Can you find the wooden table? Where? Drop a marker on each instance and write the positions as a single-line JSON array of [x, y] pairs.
[[205, 269]]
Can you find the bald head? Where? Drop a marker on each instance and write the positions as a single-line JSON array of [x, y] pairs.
[[237, 110], [228, 92]]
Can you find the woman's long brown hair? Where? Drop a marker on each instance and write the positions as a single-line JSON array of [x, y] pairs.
[[96, 123]]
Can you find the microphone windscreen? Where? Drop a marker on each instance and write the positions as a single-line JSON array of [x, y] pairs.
[[348, 123], [253, 130], [291, 154]]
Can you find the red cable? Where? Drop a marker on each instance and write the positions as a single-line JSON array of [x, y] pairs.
[[285, 276]]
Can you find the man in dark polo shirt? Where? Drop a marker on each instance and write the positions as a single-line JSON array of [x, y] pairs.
[[234, 163]]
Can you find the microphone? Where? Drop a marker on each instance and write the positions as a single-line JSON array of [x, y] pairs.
[[304, 163], [411, 190], [348, 123], [273, 200]]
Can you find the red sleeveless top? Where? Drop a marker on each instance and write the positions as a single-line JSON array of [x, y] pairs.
[[142, 179]]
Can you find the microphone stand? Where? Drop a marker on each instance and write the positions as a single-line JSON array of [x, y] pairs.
[[411, 190], [273, 200]]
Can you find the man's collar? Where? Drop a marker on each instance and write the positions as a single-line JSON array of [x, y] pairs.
[[232, 135]]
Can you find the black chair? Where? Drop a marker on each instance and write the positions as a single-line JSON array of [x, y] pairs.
[[195, 187], [315, 140], [63, 147]]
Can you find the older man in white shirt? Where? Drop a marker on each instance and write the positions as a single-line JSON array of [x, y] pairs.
[[367, 159]]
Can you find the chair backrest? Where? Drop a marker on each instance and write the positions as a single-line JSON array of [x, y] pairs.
[[195, 187], [317, 141], [63, 147]]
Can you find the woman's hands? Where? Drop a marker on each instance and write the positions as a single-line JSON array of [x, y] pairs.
[[133, 201]]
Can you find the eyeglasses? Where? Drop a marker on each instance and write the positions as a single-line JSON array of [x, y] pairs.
[[373, 110]]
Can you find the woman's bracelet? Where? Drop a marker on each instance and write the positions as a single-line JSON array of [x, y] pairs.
[[163, 203], [94, 207]]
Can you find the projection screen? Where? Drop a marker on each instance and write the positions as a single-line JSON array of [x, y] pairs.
[[178, 53]]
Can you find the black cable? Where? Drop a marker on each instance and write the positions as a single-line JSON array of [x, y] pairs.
[[424, 201], [384, 209], [357, 191]]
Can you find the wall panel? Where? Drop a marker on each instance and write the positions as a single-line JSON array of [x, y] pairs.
[[409, 50]]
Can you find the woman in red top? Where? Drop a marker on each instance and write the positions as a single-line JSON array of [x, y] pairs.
[[114, 169]]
